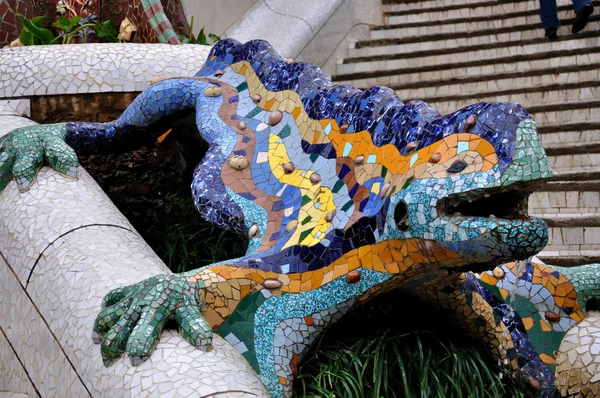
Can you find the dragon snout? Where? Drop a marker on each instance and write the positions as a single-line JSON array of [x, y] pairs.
[[522, 238]]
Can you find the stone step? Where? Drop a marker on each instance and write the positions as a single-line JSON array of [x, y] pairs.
[[577, 148], [571, 139], [500, 53], [460, 27], [557, 114], [530, 97], [463, 10], [412, 6], [568, 202], [483, 70], [579, 220], [580, 161], [571, 246], [452, 53], [450, 43], [588, 177], [528, 90], [588, 185], [573, 239], [570, 255]]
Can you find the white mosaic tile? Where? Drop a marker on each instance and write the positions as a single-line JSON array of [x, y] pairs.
[[578, 359], [70, 242], [93, 68], [20, 107], [9, 123], [14, 382]]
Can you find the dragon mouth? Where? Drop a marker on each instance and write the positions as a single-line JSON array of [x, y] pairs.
[[509, 203], [500, 214]]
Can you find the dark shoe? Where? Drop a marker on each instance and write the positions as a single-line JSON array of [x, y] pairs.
[[551, 33], [582, 17]]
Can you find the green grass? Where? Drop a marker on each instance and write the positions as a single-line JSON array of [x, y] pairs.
[[400, 365], [190, 242]]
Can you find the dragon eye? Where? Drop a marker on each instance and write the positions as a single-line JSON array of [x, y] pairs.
[[401, 216], [457, 167]]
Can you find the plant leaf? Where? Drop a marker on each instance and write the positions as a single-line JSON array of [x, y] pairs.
[[202, 38], [62, 23], [107, 31], [26, 37], [38, 21], [214, 37], [44, 35], [183, 39]]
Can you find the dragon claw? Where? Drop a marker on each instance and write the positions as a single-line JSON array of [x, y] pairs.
[[24, 150], [134, 316]]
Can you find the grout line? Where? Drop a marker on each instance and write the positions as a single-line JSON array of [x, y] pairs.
[[21, 362], [46, 323], [61, 236]]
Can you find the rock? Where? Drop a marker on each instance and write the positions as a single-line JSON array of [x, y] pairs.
[[288, 167], [219, 73], [256, 98], [213, 91], [460, 279], [253, 231], [156, 79], [552, 316], [238, 162], [275, 118], [291, 226], [315, 178], [457, 167], [126, 30], [272, 284], [498, 273], [329, 216], [343, 128], [289, 61], [353, 277], [360, 159], [385, 190], [411, 146], [470, 122], [16, 43], [242, 125], [435, 158]]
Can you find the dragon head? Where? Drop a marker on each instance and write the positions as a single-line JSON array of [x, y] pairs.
[[469, 193]]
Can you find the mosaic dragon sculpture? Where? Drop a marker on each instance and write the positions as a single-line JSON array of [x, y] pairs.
[[344, 194]]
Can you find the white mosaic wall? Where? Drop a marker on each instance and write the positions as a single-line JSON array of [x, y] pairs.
[[93, 68], [64, 245], [18, 107]]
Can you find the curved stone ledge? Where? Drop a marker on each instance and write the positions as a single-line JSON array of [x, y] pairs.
[[63, 246], [304, 18], [93, 68]]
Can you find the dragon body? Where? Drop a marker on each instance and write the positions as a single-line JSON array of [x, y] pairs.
[[344, 194]]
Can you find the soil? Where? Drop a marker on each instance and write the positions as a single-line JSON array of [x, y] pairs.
[[137, 181]]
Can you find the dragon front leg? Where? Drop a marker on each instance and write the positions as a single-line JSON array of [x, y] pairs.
[[25, 150], [134, 316]]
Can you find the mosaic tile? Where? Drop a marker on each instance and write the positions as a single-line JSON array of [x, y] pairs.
[[344, 194], [65, 257], [92, 68]]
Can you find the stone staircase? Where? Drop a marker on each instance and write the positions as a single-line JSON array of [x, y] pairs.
[[452, 53]]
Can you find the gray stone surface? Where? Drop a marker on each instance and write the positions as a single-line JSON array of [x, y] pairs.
[[288, 25]]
